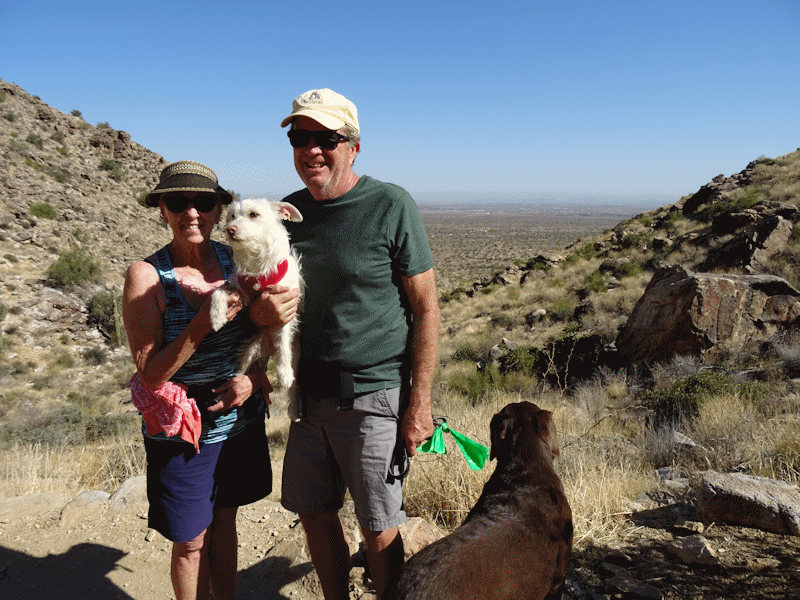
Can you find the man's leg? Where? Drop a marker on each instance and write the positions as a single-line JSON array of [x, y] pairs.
[[385, 556], [329, 552]]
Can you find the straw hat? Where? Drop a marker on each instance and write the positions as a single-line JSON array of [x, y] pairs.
[[187, 176]]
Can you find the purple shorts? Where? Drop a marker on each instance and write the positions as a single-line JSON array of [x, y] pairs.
[[183, 488]]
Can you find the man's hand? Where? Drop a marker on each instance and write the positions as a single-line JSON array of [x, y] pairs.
[[417, 426], [274, 306]]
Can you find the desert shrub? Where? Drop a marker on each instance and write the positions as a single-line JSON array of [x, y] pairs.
[[104, 313], [741, 198], [473, 383], [71, 425], [62, 150], [34, 140], [594, 282], [58, 136], [524, 359], [586, 251], [76, 113], [562, 308], [453, 294], [73, 267], [95, 355], [10, 117], [501, 319], [680, 401], [630, 268], [44, 210], [3, 97], [58, 173], [467, 351], [113, 167], [638, 239], [103, 125]]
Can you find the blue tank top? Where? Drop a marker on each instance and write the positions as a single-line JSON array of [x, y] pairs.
[[216, 358]]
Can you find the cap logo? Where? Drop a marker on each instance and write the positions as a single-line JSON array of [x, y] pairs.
[[314, 98]]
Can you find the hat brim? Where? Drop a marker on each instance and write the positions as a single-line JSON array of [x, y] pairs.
[[322, 118], [187, 182]]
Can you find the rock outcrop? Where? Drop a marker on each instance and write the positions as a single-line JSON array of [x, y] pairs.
[[687, 313]]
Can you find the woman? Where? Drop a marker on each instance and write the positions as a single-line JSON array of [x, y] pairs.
[[195, 488]]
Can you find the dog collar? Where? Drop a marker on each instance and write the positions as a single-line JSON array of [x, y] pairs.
[[262, 281]]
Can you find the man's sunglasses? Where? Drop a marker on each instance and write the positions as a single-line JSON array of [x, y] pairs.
[[177, 203], [325, 139]]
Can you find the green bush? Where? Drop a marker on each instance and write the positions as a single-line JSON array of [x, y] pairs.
[[34, 140], [62, 150], [500, 319], [44, 210], [453, 294], [58, 136], [477, 385], [96, 355], [58, 173], [680, 400], [76, 113], [73, 267], [586, 251], [738, 200], [105, 314], [594, 282], [562, 309], [113, 167], [103, 125]]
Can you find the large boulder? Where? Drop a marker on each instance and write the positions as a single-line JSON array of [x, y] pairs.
[[758, 502], [751, 248], [687, 313]]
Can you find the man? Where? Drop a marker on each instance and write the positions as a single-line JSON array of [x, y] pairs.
[[369, 339]]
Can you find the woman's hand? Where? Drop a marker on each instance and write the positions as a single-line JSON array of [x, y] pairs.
[[275, 306], [232, 393]]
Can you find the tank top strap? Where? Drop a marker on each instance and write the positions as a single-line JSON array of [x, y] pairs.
[[225, 259], [166, 274]]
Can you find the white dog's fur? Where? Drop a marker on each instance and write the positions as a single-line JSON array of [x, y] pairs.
[[260, 243]]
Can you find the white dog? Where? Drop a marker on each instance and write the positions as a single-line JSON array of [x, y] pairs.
[[262, 253]]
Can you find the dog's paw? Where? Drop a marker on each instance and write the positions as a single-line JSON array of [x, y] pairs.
[[218, 311]]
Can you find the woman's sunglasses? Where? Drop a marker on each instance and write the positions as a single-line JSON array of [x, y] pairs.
[[325, 139], [177, 203]]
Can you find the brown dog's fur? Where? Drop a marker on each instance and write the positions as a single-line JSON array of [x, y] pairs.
[[517, 540]]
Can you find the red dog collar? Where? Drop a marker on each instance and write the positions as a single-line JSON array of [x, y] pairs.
[[262, 281]]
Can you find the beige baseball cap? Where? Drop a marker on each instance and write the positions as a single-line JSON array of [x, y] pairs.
[[326, 107]]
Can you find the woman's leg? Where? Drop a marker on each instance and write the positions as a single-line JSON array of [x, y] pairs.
[[223, 545], [189, 569]]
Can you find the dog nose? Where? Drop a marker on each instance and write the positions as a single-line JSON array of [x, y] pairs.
[[231, 230]]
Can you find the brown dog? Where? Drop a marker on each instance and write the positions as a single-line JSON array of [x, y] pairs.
[[516, 541]]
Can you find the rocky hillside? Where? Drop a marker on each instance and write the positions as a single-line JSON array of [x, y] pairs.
[[67, 188]]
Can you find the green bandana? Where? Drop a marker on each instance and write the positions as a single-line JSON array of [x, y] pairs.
[[474, 453]]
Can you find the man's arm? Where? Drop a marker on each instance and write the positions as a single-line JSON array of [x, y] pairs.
[[417, 425]]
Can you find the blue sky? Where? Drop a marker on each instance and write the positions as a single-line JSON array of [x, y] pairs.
[[566, 99]]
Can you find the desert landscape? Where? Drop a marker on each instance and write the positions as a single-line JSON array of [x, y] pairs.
[[664, 341]]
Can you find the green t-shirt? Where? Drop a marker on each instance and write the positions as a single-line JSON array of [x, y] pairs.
[[353, 250]]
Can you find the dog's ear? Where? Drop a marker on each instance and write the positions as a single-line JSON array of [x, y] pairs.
[[501, 428], [546, 428], [288, 212]]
